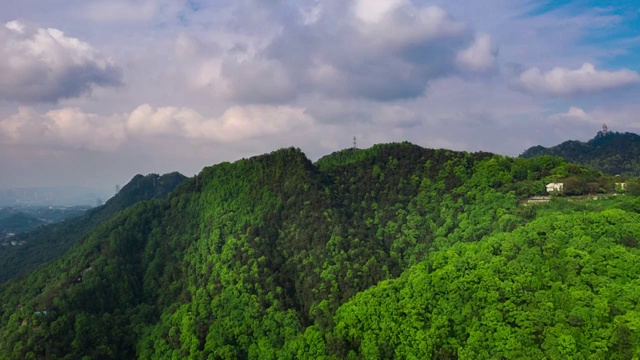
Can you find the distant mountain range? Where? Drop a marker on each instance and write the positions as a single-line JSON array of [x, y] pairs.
[[612, 153]]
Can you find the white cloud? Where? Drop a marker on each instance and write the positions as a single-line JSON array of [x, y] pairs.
[[480, 56], [234, 124], [342, 49], [74, 128], [563, 81], [66, 127], [46, 65], [398, 24], [373, 11], [20, 127], [578, 123], [616, 119], [574, 114]]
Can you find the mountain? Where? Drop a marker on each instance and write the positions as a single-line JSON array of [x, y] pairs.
[[613, 153], [390, 252], [51, 241]]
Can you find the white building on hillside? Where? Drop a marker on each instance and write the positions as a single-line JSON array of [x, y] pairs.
[[555, 187], [621, 186]]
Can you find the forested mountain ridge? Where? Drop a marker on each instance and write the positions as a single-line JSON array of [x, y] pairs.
[[276, 257], [51, 241], [614, 153]]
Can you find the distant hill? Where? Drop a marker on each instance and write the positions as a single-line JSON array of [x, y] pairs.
[[613, 153], [150, 187], [17, 219], [18, 222], [48, 242]]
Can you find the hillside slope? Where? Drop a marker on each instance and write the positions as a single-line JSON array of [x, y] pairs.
[[614, 153], [51, 241], [549, 290], [260, 259]]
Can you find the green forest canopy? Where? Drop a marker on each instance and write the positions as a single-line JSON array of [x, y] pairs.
[[390, 252]]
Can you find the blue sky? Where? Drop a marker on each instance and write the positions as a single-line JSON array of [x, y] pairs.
[[622, 36], [99, 91]]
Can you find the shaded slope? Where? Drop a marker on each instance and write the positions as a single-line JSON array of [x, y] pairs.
[[614, 153], [48, 242]]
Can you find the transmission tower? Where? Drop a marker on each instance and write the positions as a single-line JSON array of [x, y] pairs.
[[355, 144], [117, 189], [605, 129]]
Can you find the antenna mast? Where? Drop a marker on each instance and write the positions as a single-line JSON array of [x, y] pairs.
[[355, 144]]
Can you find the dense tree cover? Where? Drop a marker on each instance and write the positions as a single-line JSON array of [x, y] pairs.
[[51, 241], [613, 153], [271, 257], [561, 287]]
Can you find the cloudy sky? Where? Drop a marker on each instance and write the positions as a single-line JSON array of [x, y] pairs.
[[93, 92]]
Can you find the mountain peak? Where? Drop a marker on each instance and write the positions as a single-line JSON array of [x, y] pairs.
[[158, 186]]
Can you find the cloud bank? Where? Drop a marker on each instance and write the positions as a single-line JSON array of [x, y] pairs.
[[45, 65], [73, 128], [380, 50], [181, 84], [563, 81]]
